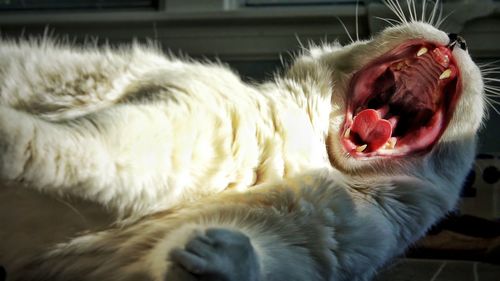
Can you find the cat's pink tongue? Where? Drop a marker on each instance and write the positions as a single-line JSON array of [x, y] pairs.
[[371, 129]]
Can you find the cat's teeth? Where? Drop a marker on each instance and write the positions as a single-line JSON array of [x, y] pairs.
[[445, 74], [361, 148], [391, 143], [446, 61], [347, 133], [422, 51]]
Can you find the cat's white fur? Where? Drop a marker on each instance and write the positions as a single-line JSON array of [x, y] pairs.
[[179, 146]]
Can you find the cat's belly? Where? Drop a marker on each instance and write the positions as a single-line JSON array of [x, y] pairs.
[[237, 149], [30, 221]]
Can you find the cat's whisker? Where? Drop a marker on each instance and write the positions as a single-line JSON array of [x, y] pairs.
[[401, 11], [492, 90], [346, 30], [489, 66], [434, 12], [489, 63], [492, 105], [492, 85], [423, 10], [440, 15], [410, 11], [491, 79], [397, 11], [492, 94], [493, 101], [414, 10], [391, 22], [357, 19], [487, 74], [489, 71], [441, 21]]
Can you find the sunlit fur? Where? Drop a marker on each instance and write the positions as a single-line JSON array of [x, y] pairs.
[[171, 147]]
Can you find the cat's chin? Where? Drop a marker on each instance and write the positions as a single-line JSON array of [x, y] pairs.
[[401, 102]]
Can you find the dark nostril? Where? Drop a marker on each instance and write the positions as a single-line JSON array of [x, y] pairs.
[[456, 40], [453, 37]]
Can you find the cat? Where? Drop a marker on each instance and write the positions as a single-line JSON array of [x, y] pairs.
[[324, 173]]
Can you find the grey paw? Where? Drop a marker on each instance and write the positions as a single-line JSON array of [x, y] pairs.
[[217, 255]]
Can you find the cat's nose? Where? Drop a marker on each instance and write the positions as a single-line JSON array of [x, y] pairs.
[[457, 40]]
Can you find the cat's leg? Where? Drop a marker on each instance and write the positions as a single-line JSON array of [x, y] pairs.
[[307, 229], [112, 156], [240, 240], [312, 227]]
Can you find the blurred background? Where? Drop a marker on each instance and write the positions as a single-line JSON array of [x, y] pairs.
[[255, 38]]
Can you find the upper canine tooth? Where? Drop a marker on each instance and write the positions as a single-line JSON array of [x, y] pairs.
[[347, 133], [422, 51], [361, 148], [445, 74]]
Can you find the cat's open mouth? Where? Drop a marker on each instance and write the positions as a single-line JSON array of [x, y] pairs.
[[401, 102]]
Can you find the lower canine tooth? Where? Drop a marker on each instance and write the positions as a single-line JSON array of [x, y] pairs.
[[422, 51], [361, 148], [391, 143], [445, 74]]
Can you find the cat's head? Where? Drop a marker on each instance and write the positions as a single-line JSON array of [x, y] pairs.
[[408, 92]]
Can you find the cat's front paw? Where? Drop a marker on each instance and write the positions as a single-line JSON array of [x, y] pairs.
[[217, 255]]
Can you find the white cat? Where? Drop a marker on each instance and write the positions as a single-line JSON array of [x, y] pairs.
[[324, 173]]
